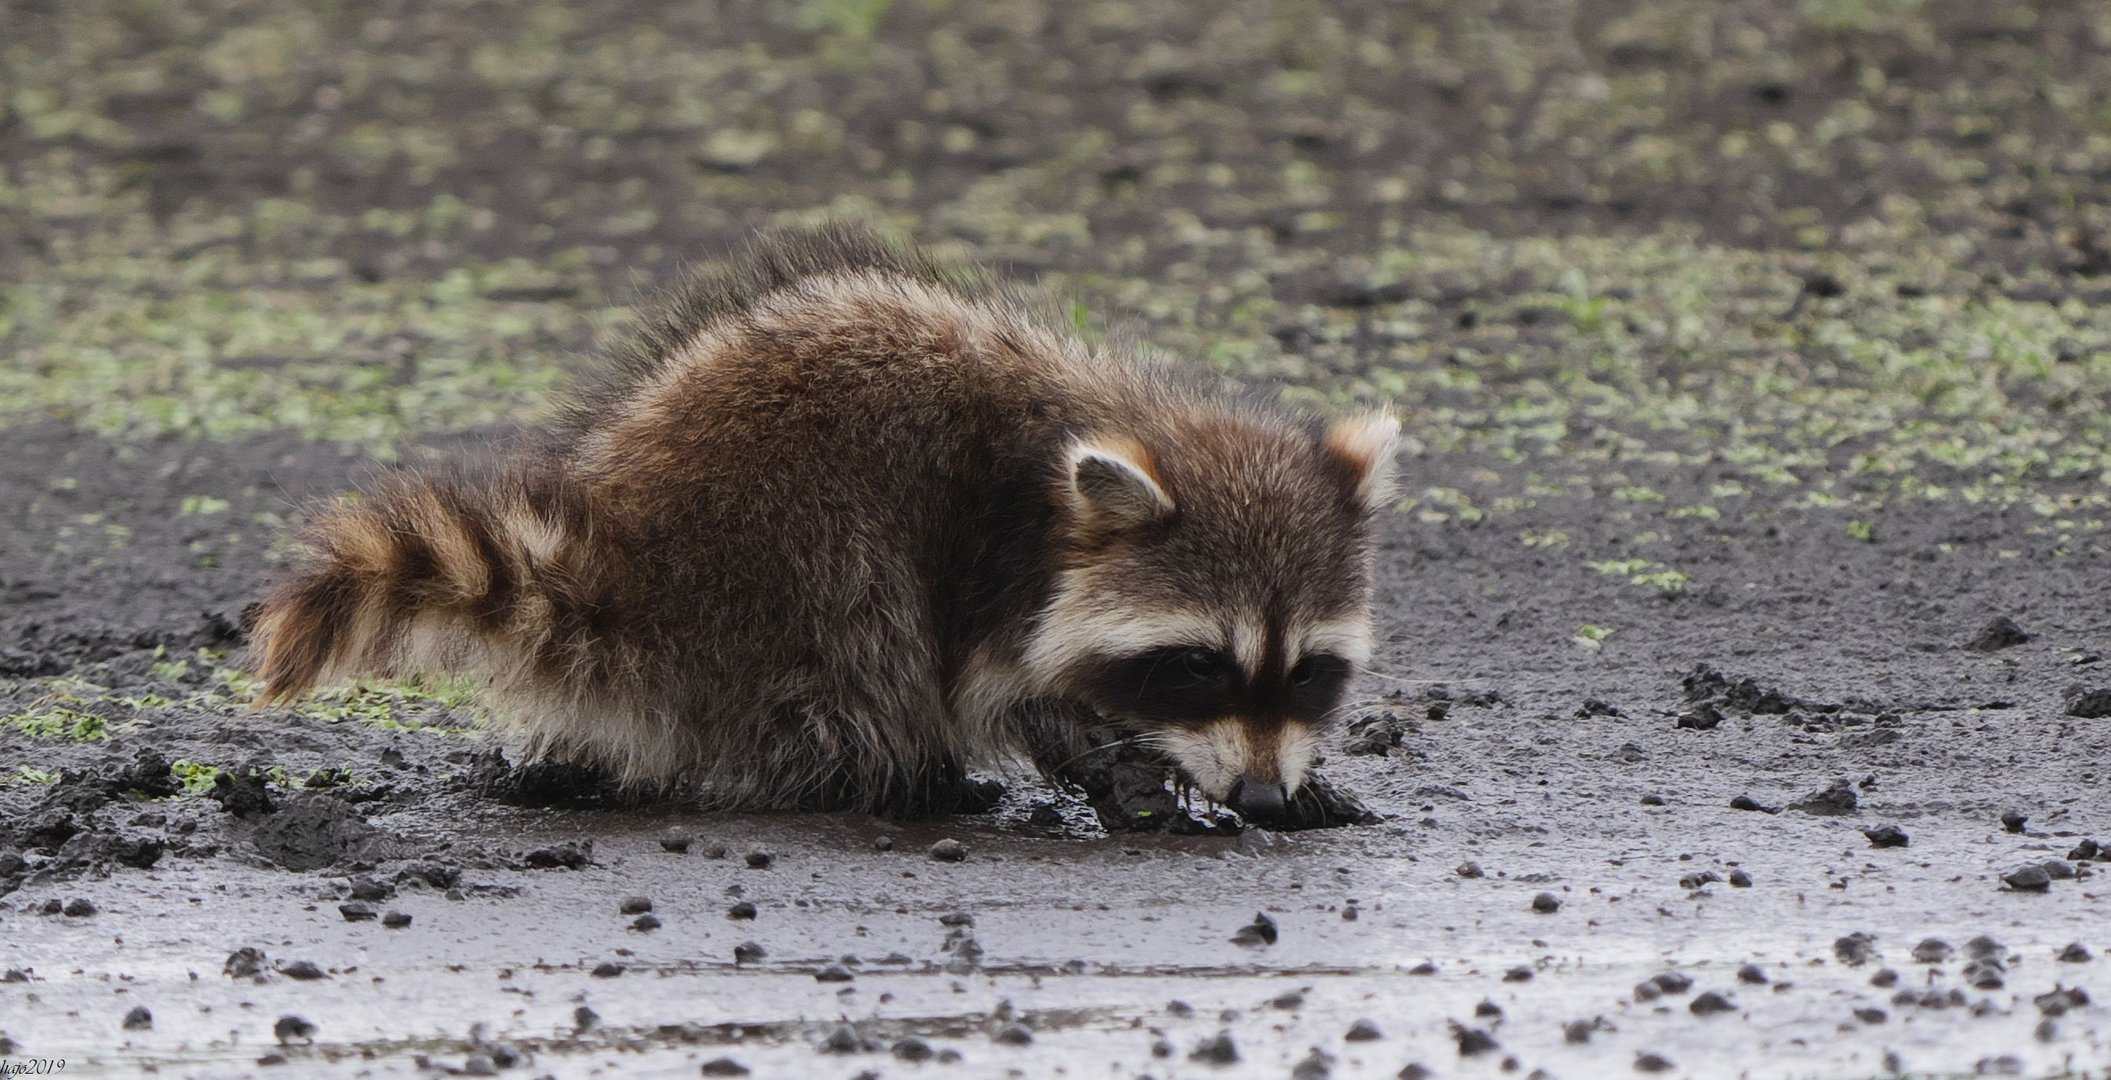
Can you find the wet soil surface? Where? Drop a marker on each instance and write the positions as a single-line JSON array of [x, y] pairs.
[[1567, 874], [1741, 706]]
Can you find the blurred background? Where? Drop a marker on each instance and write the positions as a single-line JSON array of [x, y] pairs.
[[1839, 246]]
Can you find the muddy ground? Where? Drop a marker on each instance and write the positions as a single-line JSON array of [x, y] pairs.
[[1742, 707]]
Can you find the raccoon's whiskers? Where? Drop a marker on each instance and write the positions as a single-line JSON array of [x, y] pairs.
[[1335, 713], [1116, 744]]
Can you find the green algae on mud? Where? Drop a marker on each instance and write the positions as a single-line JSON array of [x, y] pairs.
[[1691, 230]]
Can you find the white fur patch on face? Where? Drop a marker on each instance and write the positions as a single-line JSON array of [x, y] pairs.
[[1348, 637], [1296, 749], [1248, 640], [1073, 628], [1215, 755]]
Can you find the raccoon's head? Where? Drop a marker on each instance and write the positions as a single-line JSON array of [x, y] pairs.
[[1214, 595]]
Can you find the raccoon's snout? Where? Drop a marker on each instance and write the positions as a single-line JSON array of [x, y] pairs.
[[1257, 801]]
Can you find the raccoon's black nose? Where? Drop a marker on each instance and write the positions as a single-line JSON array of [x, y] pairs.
[[1255, 800]]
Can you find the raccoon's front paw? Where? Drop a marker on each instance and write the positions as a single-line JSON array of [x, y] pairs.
[[1318, 804]]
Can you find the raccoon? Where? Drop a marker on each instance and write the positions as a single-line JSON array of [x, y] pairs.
[[841, 522]]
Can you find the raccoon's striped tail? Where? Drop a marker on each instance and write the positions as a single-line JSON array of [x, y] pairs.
[[503, 575]]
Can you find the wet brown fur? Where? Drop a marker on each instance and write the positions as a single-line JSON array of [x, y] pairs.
[[809, 539]]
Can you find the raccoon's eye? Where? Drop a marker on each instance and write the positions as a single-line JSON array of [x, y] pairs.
[[1315, 667], [1204, 665]]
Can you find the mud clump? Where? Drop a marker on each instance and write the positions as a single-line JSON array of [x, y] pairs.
[[1705, 685], [570, 855], [2092, 703], [548, 784], [314, 832], [1999, 633], [244, 796], [1835, 800]]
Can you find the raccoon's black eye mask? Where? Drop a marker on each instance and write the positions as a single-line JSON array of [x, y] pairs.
[[1188, 684]]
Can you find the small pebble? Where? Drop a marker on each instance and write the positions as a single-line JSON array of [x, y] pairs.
[[1884, 979], [679, 845], [290, 1027], [1932, 950], [747, 952], [1014, 1035], [957, 918], [302, 971], [1746, 802], [607, 969], [1652, 1062], [743, 910], [139, 1019], [1364, 1031], [78, 908], [1488, 1009], [949, 850], [843, 1040], [1740, 880], [883, 843], [1469, 870], [1218, 1049], [1317, 1065], [1652, 800], [2028, 879], [584, 1018], [2058, 869], [760, 859], [1179, 1008], [368, 889], [2013, 821], [834, 973], [721, 1066], [1415, 1070], [1674, 982], [1709, 1003], [395, 920], [1647, 991], [1518, 974], [1546, 903], [1886, 836], [1472, 1041], [357, 911], [912, 1048], [1752, 975], [635, 905], [645, 923], [1855, 949], [2076, 953], [1261, 931], [1870, 1014]]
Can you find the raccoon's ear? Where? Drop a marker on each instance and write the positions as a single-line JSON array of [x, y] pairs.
[[1364, 445], [1112, 485]]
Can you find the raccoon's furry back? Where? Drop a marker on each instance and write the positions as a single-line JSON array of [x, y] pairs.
[[755, 552]]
